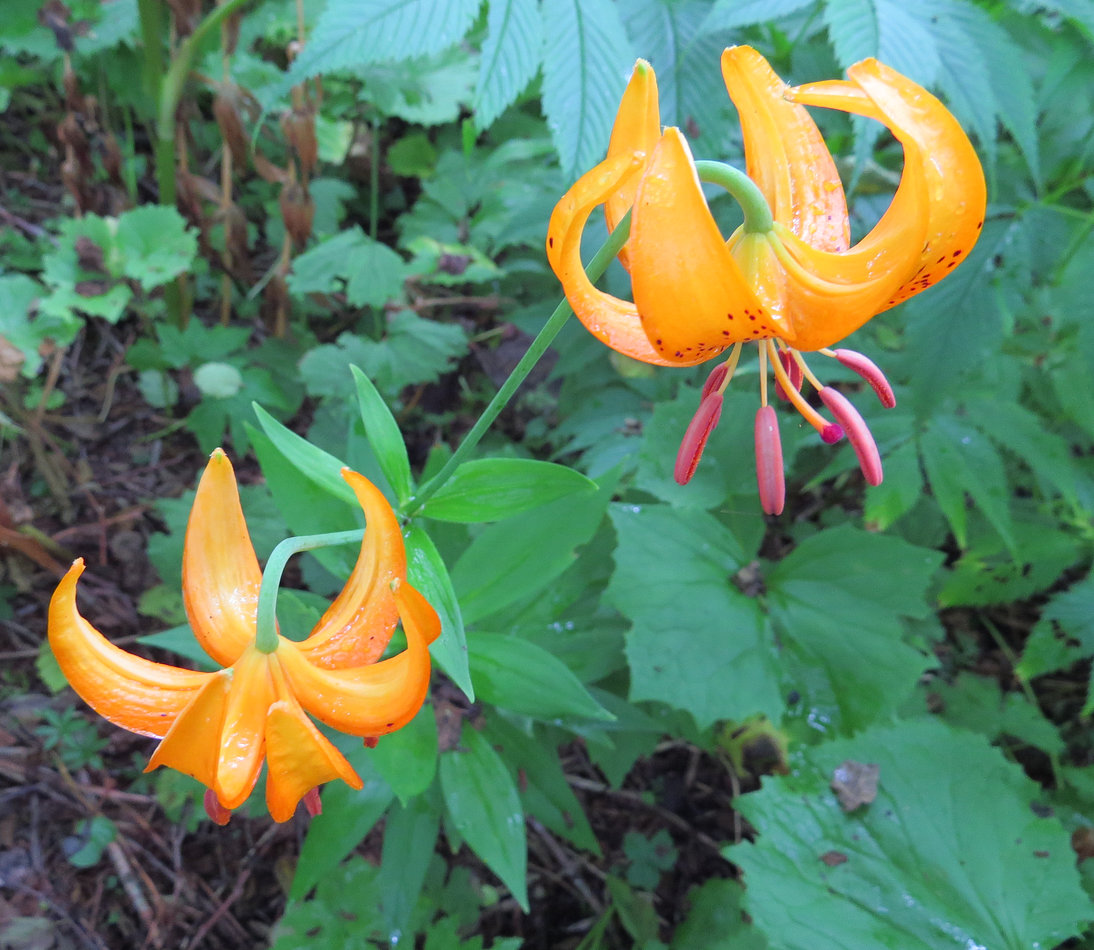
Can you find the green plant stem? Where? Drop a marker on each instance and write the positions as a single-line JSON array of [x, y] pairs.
[[267, 637], [543, 340], [752, 201]]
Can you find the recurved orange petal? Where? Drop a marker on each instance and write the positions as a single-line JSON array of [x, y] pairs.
[[693, 299], [300, 758], [612, 321], [785, 153], [192, 744], [953, 192], [220, 573], [637, 128], [376, 699], [131, 692], [357, 626]]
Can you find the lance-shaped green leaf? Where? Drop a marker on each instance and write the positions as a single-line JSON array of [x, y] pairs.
[[426, 570], [517, 675], [407, 758], [522, 555], [927, 863], [320, 467], [410, 835], [484, 808], [384, 436], [493, 489]]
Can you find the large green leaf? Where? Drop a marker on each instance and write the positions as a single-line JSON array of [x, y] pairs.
[[517, 675], [426, 570], [927, 864], [697, 642], [960, 460], [585, 64], [511, 54], [493, 489], [352, 33], [732, 14], [689, 84], [837, 601], [483, 806]]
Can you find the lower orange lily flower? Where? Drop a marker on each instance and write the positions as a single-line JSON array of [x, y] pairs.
[[220, 727], [788, 278]]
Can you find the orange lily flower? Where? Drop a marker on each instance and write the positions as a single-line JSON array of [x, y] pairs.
[[220, 727], [788, 279]]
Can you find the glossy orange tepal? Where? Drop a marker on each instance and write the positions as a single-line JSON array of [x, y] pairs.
[[788, 279], [220, 727]]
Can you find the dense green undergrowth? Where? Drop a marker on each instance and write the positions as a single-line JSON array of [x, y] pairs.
[[378, 229]]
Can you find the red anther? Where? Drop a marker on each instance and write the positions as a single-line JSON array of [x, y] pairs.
[[868, 370], [695, 438], [312, 802], [832, 433], [858, 434], [371, 742], [769, 461], [214, 809], [714, 380], [793, 370]]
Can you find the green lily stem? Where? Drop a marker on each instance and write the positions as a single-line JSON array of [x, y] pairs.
[[757, 211], [267, 637], [595, 269]]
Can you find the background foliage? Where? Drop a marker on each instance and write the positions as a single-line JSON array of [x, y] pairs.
[[938, 626]]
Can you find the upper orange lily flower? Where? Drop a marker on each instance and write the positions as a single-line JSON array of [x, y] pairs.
[[788, 278], [219, 727]]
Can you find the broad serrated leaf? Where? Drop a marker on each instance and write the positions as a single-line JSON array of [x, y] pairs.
[[523, 678], [978, 704], [511, 56], [426, 570], [482, 804], [853, 29], [351, 33], [716, 921], [697, 642], [155, 245], [1064, 634], [925, 864], [689, 84], [493, 489], [371, 273], [956, 325], [384, 436], [837, 601], [586, 60], [18, 294], [988, 573], [905, 41], [733, 14], [960, 460]]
